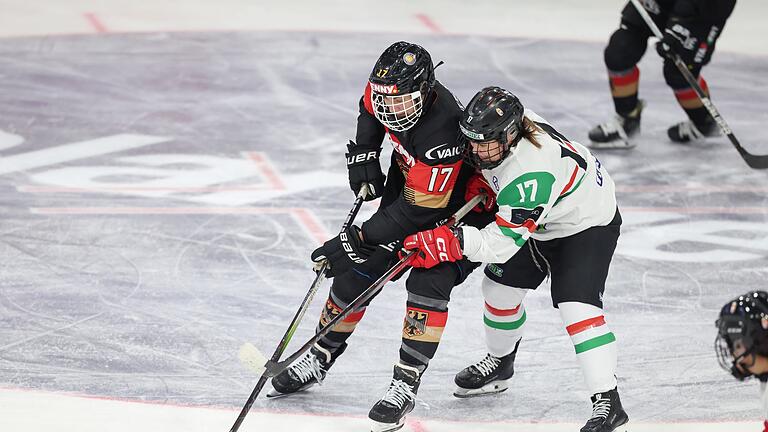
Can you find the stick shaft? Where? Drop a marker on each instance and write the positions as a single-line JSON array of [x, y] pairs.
[[297, 317]]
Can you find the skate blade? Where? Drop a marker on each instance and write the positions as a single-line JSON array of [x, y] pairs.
[[387, 427], [612, 145], [488, 389], [274, 394]]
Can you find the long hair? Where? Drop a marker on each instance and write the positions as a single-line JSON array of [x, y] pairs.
[[529, 131]]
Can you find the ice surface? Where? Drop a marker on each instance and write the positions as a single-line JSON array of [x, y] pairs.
[[136, 269]]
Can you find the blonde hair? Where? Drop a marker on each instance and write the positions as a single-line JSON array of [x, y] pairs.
[[529, 131]]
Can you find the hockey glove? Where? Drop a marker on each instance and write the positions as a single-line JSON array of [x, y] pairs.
[[434, 246], [678, 40], [364, 168], [347, 250], [478, 185]]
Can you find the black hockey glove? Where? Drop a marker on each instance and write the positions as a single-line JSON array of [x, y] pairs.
[[364, 168], [347, 250], [678, 40]]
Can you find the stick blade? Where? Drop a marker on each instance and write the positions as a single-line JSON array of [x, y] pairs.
[[252, 358]]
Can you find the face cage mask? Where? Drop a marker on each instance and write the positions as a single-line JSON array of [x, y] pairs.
[[724, 351], [475, 160], [398, 113]]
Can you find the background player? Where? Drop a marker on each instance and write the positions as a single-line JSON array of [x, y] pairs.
[[742, 341], [691, 28], [404, 104], [557, 217]]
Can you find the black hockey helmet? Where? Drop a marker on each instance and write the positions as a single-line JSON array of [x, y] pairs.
[[742, 330], [400, 82], [493, 114]]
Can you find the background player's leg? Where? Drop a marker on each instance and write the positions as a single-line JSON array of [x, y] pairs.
[[625, 48]]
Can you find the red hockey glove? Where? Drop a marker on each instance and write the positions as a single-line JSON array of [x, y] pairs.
[[477, 185], [433, 247]]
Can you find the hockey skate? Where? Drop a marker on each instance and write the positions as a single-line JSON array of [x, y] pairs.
[[388, 414], [305, 373], [489, 376], [618, 132], [607, 413], [687, 131]]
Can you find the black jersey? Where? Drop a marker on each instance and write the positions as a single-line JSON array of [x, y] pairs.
[[429, 157]]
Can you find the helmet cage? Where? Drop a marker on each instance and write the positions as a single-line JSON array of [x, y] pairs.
[[731, 329], [398, 112], [489, 160]]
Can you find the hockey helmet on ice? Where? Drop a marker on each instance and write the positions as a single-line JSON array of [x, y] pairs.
[[400, 82], [742, 330], [493, 114]]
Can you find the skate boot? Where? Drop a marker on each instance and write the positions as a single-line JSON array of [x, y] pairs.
[[488, 376], [617, 133], [305, 373], [607, 413], [687, 131], [389, 413]]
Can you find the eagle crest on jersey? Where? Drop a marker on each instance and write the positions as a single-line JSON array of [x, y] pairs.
[[415, 323]]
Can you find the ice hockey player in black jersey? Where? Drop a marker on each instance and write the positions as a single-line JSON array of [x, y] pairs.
[[406, 106], [691, 29], [742, 341]]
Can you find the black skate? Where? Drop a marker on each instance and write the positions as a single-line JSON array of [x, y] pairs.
[[607, 413], [687, 131], [305, 373], [489, 376], [389, 413], [617, 133]]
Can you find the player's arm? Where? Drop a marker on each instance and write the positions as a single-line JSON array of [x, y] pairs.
[[427, 192], [523, 204]]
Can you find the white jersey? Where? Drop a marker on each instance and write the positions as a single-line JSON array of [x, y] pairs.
[[551, 192]]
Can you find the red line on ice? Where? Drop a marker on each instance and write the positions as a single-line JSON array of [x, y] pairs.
[[311, 224], [266, 169], [428, 23], [417, 426], [95, 22]]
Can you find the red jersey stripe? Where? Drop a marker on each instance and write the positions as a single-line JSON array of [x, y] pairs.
[[434, 318], [570, 182], [629, 78]]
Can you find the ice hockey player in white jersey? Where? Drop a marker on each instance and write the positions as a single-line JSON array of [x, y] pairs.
[[557, 218]]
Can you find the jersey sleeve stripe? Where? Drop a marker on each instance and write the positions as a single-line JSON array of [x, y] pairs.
[[570, 182], [529, 224], [519, 240]]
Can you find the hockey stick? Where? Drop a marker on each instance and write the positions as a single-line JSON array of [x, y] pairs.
[[754, 161], [244, 351], [275, 367]]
